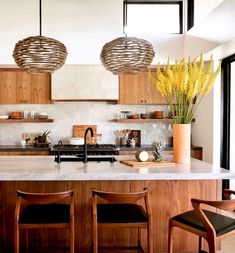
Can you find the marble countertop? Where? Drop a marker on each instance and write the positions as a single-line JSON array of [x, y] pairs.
[[43, 168]]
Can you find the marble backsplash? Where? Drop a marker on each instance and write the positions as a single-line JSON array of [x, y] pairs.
[[67, 114]]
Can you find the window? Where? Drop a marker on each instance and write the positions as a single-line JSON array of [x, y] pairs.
[[153, 17]]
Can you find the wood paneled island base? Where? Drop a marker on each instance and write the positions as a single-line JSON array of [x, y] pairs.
[[167, 198]]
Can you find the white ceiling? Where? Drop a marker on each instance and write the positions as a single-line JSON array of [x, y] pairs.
[[84, 26]]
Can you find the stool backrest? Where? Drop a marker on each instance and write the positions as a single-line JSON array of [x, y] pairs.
[[44, 198], [116, 197], [227, 205]]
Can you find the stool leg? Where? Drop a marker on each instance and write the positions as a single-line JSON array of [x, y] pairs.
[[139, 238], [27, 240], [199, 244], [95, 237], [212, 245], [170, 239], [16, 243], [150, 238], [72, 236]]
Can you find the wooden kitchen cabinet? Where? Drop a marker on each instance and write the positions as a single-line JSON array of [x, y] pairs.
[[138, 89], [19, 87], [41, 89], [7, 87]]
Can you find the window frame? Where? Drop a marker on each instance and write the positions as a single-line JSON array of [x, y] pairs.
[[128, 2]]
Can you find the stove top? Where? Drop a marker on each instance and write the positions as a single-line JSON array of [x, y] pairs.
[[90, 147], [95, 152]]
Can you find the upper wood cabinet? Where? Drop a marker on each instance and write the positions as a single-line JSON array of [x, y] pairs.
[[84, 82], [138, 89], [19, 87]]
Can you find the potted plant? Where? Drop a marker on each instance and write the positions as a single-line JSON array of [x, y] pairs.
[[184, 85], [42, 138]]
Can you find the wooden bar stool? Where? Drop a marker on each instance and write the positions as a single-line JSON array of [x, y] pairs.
[[122, 211], [44, 212], [206, 224]]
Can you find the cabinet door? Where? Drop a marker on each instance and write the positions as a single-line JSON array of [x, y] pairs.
[[23, 87], [40, 89], [138, 89], [7, 87]]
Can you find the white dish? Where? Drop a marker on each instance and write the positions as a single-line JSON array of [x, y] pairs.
[[4, 116], [76, 141]]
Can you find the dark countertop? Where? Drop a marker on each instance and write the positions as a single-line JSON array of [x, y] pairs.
[[11, 148], [149, 147]]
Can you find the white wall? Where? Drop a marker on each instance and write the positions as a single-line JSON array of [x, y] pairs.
[[66, 115], [232, 126]]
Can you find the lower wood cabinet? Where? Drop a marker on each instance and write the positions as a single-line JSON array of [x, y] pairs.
[[194, 153], [20, 87], [13, 153]]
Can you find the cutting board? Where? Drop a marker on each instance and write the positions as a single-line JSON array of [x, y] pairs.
[[79, 131], [135, 163]]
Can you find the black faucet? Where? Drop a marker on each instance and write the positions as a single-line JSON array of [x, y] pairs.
[[85, 143]]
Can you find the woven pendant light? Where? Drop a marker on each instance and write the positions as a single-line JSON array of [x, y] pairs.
[[127, 54], [39, 54]]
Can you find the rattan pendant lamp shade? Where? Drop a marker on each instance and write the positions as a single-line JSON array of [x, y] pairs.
[[39, 54], [128, 55]]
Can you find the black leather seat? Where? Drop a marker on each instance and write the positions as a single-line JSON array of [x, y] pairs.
[[222, 224], [122, 210], [120, 213], [45, 214]]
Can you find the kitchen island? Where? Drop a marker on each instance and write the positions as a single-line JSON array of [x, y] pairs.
[[171, 189]]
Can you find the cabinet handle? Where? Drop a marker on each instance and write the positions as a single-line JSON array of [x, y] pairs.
[[141, 101]]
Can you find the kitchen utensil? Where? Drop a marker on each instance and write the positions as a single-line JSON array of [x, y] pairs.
[[79, 131], [135, 163], [76, 141]]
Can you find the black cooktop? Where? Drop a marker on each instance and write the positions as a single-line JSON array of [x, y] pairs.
[[90, 147], [95, 152]]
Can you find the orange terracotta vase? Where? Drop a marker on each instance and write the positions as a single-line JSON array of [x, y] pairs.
[[181, 143]]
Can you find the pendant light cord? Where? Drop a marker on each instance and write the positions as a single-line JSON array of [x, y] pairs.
[[125, 17], [40, 17]]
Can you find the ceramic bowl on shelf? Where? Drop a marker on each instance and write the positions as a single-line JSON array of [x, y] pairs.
[[4, 116], [134, 116], [143, 115], [158, 115], [16, 115]]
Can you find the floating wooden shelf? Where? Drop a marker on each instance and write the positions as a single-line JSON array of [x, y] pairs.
[[164, 120], [26, 120]]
